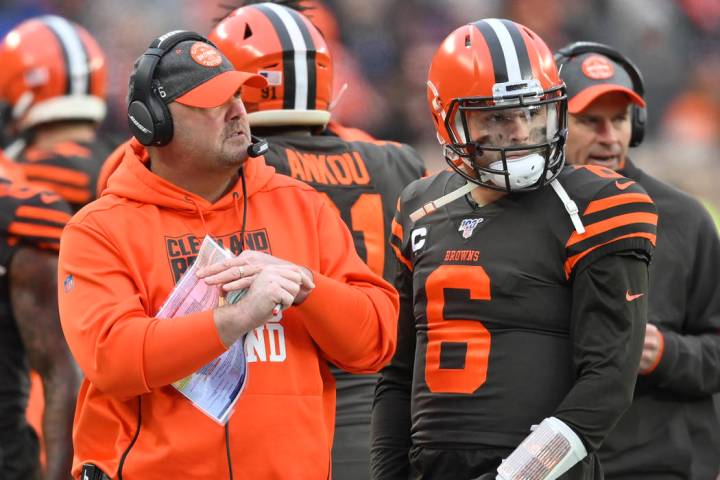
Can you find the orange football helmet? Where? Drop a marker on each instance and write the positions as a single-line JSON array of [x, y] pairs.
[[52, 69], [499, 105], [286, 48]]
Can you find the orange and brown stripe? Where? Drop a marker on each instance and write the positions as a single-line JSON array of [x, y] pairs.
[[611, 224], [69, 194], [574, 259], [55, 174], [616, 201], [622, 216], [402, 258], [602, 172], [23, 229], [396, 229], [40, 213], [64, 149]]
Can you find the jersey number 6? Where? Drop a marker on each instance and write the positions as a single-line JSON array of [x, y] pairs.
[[471, 333]]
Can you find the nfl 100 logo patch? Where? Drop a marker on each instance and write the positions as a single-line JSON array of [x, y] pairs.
[[467, 226]]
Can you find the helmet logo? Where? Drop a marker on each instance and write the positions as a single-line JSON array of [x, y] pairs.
[[597, 67], [205, 55]]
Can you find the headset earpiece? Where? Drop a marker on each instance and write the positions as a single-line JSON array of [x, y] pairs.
[[141, 122], [639, 120]]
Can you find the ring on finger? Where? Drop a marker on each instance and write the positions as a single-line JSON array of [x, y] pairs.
[[239, 271]]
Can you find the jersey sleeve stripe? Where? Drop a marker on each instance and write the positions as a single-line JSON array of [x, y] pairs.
[[72, 149], [402, 258], [572, 261], [65, 149], [49, 246], [397, 229], [602, 172], [39, 213], [30, 230], [611, 223], [616, 200], [70, 194], [56, 174]]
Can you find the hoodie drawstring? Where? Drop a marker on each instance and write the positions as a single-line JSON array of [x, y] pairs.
[[199, 210], [243, 217]]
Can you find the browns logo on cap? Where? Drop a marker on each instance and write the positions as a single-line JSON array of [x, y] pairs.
[[597, 67], [205, 55], [591, 75]]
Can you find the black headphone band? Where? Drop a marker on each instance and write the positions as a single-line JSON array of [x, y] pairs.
[[142, 85], [575, 49]]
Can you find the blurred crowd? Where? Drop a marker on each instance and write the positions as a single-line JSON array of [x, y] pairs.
[[384, 48]]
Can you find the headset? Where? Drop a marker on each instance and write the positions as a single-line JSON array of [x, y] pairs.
[[638, 114], [149, 118]]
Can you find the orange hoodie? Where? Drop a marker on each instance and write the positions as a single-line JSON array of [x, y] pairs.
[[120, 257]]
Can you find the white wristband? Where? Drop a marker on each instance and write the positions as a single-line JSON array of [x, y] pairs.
[[548, 452]]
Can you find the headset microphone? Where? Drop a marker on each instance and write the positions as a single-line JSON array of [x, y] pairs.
[[258, 146]]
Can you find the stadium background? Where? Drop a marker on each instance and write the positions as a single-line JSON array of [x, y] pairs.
[[383, 48]]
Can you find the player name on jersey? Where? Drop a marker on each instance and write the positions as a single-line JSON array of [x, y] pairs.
[[462, 256], [342, 169]]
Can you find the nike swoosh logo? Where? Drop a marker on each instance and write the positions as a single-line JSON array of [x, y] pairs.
[[629, 297], [624, 185]]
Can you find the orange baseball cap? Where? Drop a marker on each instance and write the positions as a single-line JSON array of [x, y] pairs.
[[197, 74], [590, 75]]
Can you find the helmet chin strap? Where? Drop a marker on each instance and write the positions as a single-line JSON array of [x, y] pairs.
[[338, 97], [523, 171]]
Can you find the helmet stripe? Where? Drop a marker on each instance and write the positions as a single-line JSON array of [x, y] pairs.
[[77, 70], [310, 58], [509, 54], [299, 74], [495, 49], [523, 57], [288, 77]]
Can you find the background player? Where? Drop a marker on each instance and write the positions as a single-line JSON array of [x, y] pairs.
[[31, 221], [362, 179], [53, 84]]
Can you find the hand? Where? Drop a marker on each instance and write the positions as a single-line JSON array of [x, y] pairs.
[[239, 272], [652, 347], [271, 286]]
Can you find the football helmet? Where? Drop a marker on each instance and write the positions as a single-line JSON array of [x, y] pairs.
[[286, 48], [52, 69], [499, 106]]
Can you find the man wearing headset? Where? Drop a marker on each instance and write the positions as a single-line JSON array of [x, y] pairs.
[[186, 175], [671, 430]]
